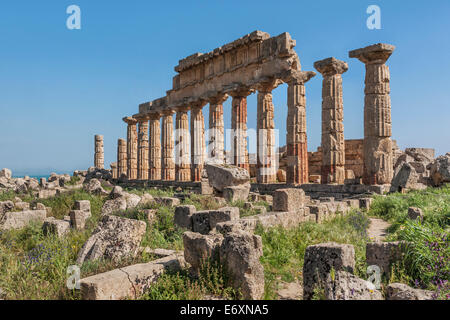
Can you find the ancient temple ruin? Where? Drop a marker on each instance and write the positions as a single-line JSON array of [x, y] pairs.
[[156, 149]]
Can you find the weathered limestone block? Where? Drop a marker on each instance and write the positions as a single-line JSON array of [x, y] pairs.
[[99, 157], [22, 206], [114, 238], [236, 193], [168, 163], [114, 205], [297, 171], [198, 248], [132, 148], [240, 252], [182, 147], [45, 194], [128, 282], [415, 213], [57, 227], [333, 144], [197, 142], [18, 220], [406, 177], [143, 149], [168, 201], [288, 199], [378, 154], [94, 186], [155, 147], [384, 254], [78, 219], [320, 211], [346, 286], [6, 206], [222, 215], [121, 158], [5, 173], [364, 203], [83, 205], [440, 170], [223, 176], [183, 216], [216, 145], [400, 291], [320, 259]]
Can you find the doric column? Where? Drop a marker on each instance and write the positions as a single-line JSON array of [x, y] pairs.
[[197, 142], [182, 151], [143, 161], [168, 164], [378, 157], [266, 157], [333, 142], [99, 157], [132, 149], [239, 128], [155, 147], [296, 138], [121, 158], [114, 170], [216, 147]]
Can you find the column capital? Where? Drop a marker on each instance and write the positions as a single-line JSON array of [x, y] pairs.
[[182, 108], [129, 120], [218, 98], [268, 86], [299, 77], [239, 91], [142, 117], [331, 66], [375, 54], [168, 112], [154, 116]]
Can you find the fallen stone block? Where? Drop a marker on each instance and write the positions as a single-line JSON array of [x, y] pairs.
[[5, 173], [415, 213], [18, 220], [6, 206], [78, 219], [240, 253], [221, 176], [345, 286], [222, 215], [168, 201], [57, 227], [364, 203], [183, 216], [236, 193], [320, 212], [83, 205], [198, 248], [127, 282], [384, 254], [320, 259], [114, 205], [288, 199], [46, 193], [114, 238], [400, 291]]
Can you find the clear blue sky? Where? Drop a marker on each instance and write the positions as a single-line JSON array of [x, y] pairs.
[[60, 87]]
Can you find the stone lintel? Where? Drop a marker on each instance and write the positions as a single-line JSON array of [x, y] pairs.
[[298, 77], [130, 120], [331, 66], [376, 53]]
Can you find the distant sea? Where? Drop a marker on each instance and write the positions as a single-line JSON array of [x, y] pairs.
[[34, 176]]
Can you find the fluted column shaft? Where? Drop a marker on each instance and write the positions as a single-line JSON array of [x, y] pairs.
[[155, 148], [132, 149], [121, 158], [99, 157], [216, 148], [143, 161], [333, 142], [197, 142], [296, 138], [168, 164], [239, 130], [182, 147], [267, 166], [378, 154]]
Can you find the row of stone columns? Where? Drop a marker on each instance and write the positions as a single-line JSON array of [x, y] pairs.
[[146, 158]]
